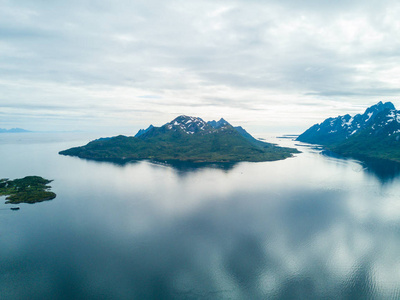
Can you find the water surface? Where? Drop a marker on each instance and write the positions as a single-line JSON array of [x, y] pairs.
[[309, 227]]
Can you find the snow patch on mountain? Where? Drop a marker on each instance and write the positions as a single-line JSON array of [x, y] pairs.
[[369, 116], [189, 125]]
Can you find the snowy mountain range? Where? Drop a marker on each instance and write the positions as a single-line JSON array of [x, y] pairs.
[[192, 125], [373, 134], [184, 124]]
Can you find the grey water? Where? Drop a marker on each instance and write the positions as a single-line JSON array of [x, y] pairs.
[[309, 227]]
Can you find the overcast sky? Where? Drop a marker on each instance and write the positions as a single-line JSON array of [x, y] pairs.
[[121, 64]]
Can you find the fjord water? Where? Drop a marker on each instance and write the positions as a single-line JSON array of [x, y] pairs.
[[309, 227]]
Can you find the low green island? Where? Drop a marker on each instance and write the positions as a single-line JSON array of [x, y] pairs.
[[30, 189]]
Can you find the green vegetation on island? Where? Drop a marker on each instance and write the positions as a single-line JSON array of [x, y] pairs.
[[184, 139], [30, 189], [364, 146]]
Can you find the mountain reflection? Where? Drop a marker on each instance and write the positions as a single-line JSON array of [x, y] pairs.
[[182, 166], [384, 170], [185, 166]]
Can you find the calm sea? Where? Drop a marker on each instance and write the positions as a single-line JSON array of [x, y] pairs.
[[309, 227]]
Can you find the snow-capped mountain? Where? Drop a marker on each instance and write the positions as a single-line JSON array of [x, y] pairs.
[[189, 125], [185, 125], [334, 130], [385, 124], [374, 134], [196, 126]]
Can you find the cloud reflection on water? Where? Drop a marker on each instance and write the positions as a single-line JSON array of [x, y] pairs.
[[268, 230]]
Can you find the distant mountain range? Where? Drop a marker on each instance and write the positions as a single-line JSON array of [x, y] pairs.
[[373, 134], [184, 139], [13, 130]]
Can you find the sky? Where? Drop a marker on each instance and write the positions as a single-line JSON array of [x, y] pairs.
[[121, 65]]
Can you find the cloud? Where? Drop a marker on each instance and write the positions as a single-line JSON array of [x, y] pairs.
[[180, 51]]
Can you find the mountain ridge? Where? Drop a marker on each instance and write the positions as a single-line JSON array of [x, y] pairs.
[[13, 130], [196, 125], [373, 134]]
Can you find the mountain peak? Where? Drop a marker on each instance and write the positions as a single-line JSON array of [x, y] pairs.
[[189, 125], [143, 131], [218, 124], [380, 106], [185, 118]]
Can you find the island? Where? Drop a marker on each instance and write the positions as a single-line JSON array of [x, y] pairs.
[[184, 139], [375, 134], [13, 130], [30, 189]]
